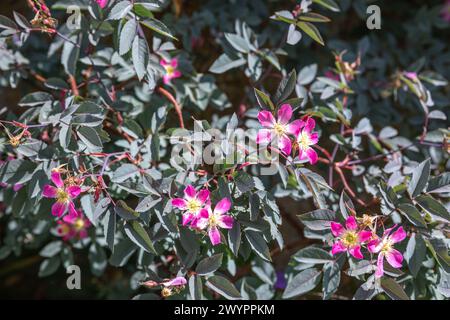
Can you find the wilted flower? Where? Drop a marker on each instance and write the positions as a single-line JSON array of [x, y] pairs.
[[278, 128], [171, 70], [349, 238], [192, 203], [213, 219], [384, 247], [63, 195], [74, 226], [305, 139]]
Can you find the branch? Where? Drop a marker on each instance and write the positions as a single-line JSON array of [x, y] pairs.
[[170, 97]]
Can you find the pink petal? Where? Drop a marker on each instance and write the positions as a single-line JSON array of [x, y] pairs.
[[176, 74], [189, 192], [73, 191], [264, 136], [373, 246], [178, 281], [49, 191], [380, 268], [295, 127], [186, 218], [72, 211], [57, 180], [17, 187], [166, 79], [82, 234], [336, 229], [310, 124], [338, 247], [356, 252], [174, 62], [203, 195], [351, 224], [395, 258], [225, 222], [179, 203], [364, 236], [285, 144], [314, 138], [311, 155], [266, 119], [284, 114], [214, 236], [222, 206], [58, 208], [398, 235], [102, 3], [163, 62], [203, 219]]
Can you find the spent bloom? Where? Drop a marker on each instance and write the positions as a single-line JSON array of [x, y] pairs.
[[171, 70], [73, 226], [191, 204], [278, 129], [305, 139], [64, 195], [213, 219], [384, 246], [349, 238]]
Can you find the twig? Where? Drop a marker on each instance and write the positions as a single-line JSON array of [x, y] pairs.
[[170, 97]]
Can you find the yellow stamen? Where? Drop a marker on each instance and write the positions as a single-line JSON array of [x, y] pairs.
[[193, 205], [62, 196], [350, 238], [304, 140], [79, 224], [279, 129]]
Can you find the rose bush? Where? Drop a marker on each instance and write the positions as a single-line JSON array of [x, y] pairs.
[[229, 149]]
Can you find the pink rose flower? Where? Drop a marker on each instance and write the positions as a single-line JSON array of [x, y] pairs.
[[278, 129], [213, 219], [305, 139], [191, 204], [74, 226], [349, 238], [171, 70], [63, 195], [384, 248]]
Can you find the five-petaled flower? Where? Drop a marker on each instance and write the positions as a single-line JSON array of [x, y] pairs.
[[73, 226], [278, 129], [171, 70], [213, 219], [191, 204], [349, 238], [384, 247], [64, 195], [305, 139]]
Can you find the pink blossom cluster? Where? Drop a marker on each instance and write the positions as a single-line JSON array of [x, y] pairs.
[[353, 236], [286, 134], [74, 224], [198, 213]]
